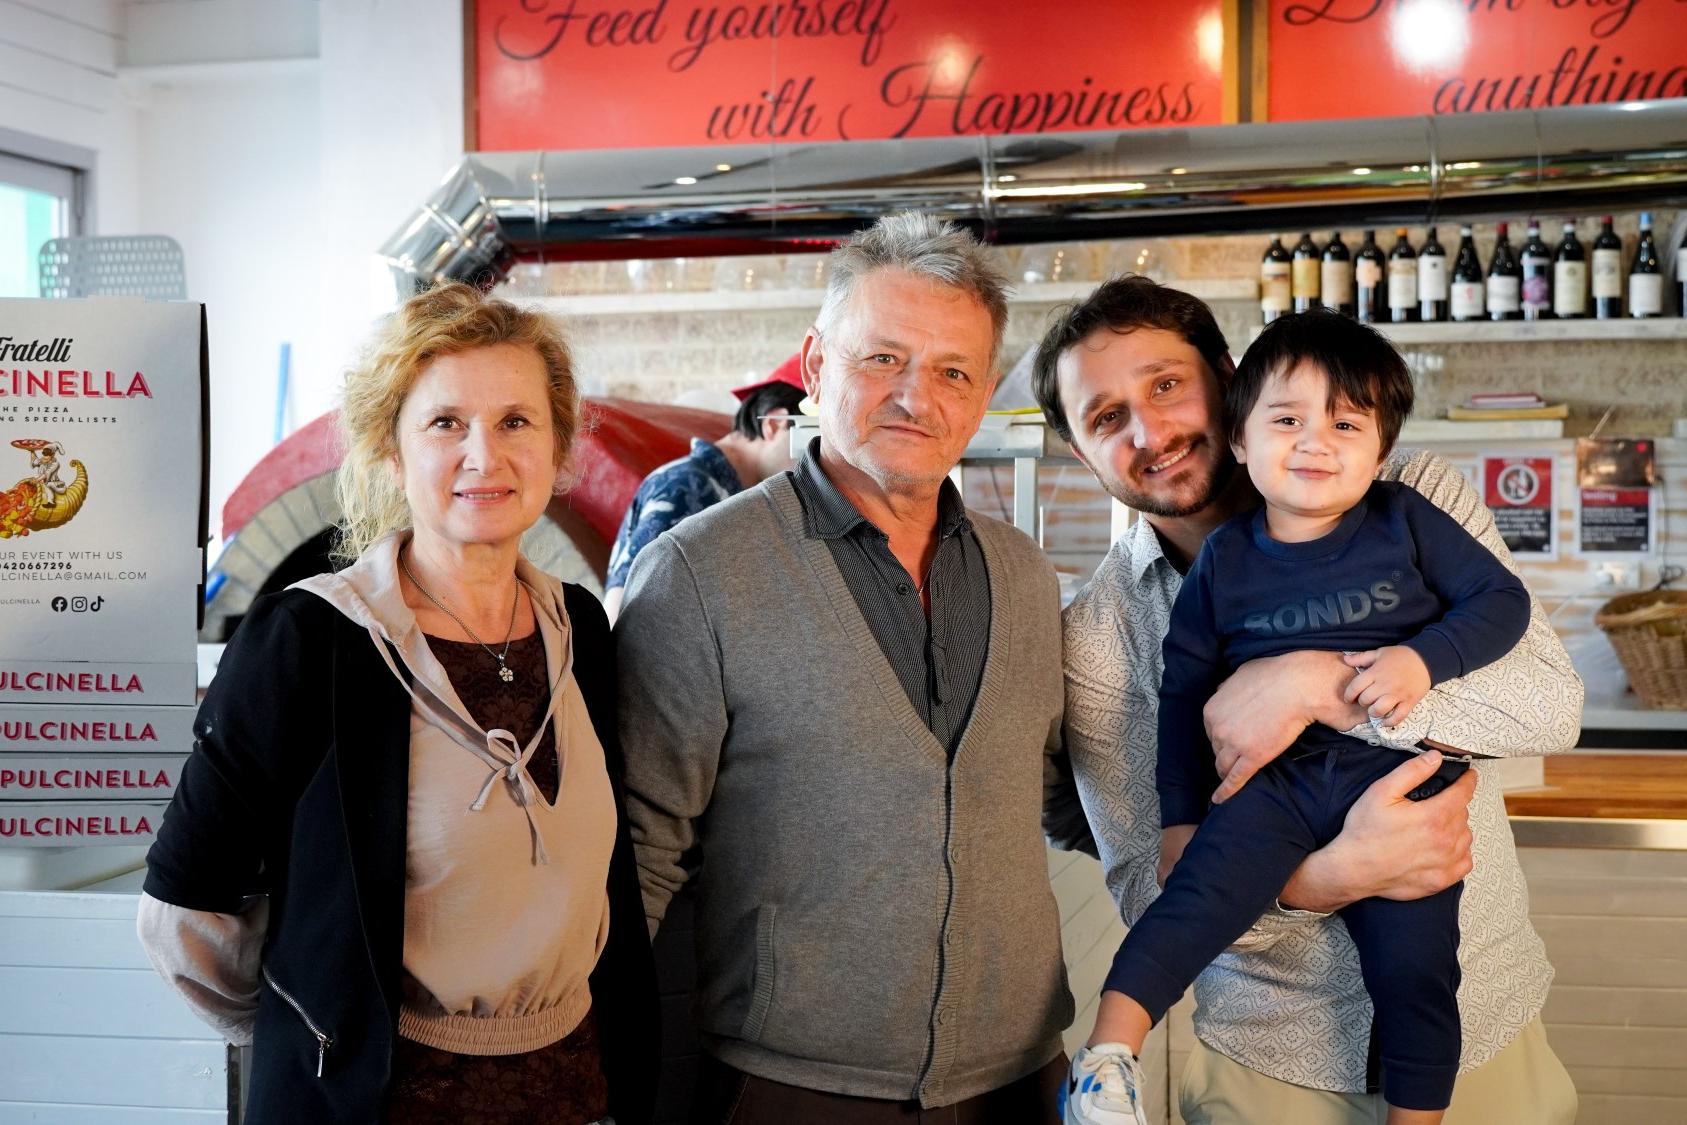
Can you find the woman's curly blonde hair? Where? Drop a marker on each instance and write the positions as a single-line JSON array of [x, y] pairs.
[[445, 320]]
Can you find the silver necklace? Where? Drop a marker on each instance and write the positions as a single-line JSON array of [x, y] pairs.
[[504, 672], [920, 587]]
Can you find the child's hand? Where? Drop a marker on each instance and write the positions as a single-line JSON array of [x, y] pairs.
[[1172, 842], [1388, 682]]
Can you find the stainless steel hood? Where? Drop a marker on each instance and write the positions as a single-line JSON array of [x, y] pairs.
[[499, 207]]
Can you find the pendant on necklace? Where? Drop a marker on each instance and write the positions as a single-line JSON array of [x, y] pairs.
[[504, 672]]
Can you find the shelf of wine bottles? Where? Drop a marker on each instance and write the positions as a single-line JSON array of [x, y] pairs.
[[1524, 331], [1408, 285], [1529, 331]]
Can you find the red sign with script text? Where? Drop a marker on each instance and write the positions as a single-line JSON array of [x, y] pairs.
[[582, 74], [1392, 58]]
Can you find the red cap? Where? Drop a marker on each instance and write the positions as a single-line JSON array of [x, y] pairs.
[[788, 372]]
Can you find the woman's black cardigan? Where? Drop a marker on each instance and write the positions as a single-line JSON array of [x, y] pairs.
[[298, 788]]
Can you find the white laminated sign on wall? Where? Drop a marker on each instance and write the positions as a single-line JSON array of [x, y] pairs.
[[102, 529]]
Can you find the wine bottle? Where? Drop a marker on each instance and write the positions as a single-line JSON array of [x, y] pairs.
[[1607, 272], [1681, 277], [1335, 276], [1537, 275], [1467, 279], [1569, 276], [1432, 279], [1307, 266], [1370, 287], [1274, 281], [1645, 278], [1505, 279], [1402, 280]]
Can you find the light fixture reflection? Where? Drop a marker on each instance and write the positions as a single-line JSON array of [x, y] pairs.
[[949, 61], [685, 181], [1361, 171], [1209, 41], [1430, 35], [1057, 190], [723, 167]]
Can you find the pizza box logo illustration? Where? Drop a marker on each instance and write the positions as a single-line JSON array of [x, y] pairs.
[[43, 500]]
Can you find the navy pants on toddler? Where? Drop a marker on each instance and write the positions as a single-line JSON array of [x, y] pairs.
[[1231, 873]]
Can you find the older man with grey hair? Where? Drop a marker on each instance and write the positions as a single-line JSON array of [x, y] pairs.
[[840, 706]]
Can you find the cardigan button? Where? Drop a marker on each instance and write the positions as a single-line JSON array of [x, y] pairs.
[[903, 587]]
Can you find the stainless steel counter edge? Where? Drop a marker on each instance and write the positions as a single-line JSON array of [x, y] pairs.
[[1594, 832]]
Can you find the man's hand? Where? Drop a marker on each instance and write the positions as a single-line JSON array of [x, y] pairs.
[[1388, 682], [1173, 839], [1266, 703], [1391, 847]]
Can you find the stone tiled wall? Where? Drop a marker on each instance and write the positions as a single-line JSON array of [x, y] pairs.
[[1645, 380], [657, 355]]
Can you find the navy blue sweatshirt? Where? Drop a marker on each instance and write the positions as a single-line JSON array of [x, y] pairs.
[[1396, 570]]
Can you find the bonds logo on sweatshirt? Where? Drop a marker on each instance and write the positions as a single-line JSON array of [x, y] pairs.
[[1343, 607]]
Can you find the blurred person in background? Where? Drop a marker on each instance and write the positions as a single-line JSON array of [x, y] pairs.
[[757, 446]]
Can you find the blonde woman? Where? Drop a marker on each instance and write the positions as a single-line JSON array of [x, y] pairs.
[[396, 863]]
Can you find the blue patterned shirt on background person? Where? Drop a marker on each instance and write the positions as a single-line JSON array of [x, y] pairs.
[[681, 488]]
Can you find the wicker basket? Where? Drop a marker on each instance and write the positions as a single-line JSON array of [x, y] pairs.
[[1649, 632]]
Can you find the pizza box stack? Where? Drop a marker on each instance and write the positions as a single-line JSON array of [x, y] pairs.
[[102, 528]]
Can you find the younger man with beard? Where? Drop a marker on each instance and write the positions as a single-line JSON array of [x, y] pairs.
[[1335, 560], [1132, 377]]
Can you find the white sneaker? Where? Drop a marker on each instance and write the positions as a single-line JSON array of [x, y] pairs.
[[1103, 1088]]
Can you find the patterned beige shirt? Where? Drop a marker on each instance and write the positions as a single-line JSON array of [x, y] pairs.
[[1287, 1000]]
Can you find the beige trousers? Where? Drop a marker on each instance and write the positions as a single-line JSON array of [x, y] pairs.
[[1524, 1084]]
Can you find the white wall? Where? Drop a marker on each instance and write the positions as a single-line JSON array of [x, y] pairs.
[[279, 141], [227, 112], [174, 32], [392, 126], [286, 139], [58, 82], [229, 164]]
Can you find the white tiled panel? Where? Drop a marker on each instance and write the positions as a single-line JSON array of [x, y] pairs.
[[89, 1034]]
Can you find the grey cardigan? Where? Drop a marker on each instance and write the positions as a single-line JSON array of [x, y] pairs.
[[872, 919]]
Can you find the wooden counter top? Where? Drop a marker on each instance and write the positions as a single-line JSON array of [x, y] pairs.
[[1606, 786]]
